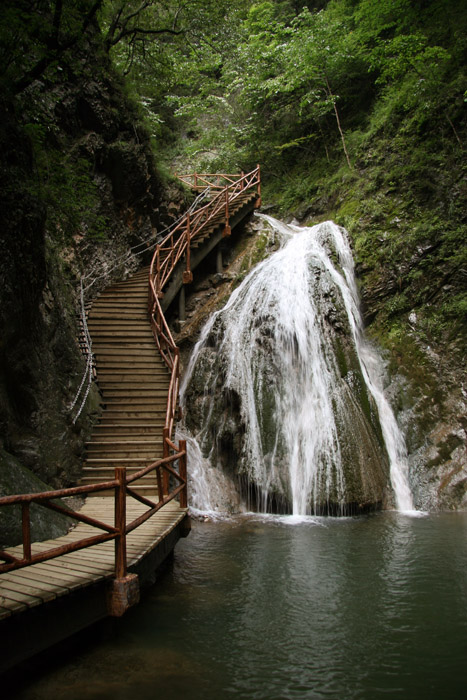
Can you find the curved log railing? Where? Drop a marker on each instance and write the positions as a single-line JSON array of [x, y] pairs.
[[194, 225], [230, 191], [169, 253], [118, 532]]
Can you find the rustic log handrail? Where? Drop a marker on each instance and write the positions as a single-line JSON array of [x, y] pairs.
[[112, 532], [173, 247]]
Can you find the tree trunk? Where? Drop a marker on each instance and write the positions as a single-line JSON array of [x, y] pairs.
[[344, 146]]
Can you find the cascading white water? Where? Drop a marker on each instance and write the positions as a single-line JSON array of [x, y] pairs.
[[280, 361]]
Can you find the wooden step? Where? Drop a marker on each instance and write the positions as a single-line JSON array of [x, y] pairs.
[[148, 490], [117, 359], [133, 387], [152, 443], [102, 441], [130, 376], [120, 458], [107, 462], [124, 302], [117, 311], [113, 416], [137, 290], [117, 396], [126, 429], [106, 322], [129, 352], [149, 398], [119, 337], [124, 340]]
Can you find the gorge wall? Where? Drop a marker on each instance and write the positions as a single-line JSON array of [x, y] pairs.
[[79, 187]]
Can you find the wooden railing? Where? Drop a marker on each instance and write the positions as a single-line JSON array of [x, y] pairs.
[[176, 245], [118, 531], [229, 191]]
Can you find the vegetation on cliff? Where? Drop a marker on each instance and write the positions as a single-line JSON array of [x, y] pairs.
[[356, 110]]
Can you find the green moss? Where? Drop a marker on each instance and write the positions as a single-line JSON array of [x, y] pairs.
[[45, 524], [340, 357]]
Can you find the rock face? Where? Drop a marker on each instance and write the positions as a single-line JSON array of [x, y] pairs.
[[432, 415], [79, 189], [277, 397], [15, 478]]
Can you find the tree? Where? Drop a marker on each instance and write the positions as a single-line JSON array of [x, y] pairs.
[[35, 35]]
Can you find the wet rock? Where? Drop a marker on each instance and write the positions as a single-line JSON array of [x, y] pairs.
[[15, 478], [242, 392]]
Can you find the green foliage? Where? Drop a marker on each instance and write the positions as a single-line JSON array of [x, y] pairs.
[[354, 108], [67, 188], [36, 36]]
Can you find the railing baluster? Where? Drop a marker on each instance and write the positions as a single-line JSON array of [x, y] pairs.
[[227, 229], [187, 274], [120, 522], [258, 189], [26, 530], [165, 454]]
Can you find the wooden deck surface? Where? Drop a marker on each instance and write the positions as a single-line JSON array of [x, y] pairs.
[[40, 583]]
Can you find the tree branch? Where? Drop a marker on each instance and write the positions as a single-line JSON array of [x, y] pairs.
[[333, 98], [54, 49], [139, 31]]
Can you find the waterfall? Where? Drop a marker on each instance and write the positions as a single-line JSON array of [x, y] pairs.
[[286, 390]]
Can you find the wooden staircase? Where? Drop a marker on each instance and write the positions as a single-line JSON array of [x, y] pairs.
[[133, 380], [137, 360]]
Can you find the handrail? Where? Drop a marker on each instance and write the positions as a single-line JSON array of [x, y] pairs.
[[170, 252], [206, 179], [117, 532]]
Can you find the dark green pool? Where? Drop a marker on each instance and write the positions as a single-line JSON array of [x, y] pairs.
[[371, 607]]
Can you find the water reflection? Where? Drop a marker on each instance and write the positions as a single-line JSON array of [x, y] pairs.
[[359, 608]]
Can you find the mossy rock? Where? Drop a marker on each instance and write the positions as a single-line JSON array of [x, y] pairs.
[[45, 524]]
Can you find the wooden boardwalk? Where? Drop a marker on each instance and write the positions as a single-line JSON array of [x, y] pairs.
[[26, 588], [43, 604]]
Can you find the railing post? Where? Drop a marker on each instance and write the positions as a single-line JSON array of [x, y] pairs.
[[26, 527], [258, 189], [120, 522], [165, 453], [183, 474], [227, 229], [187, 274], [123, 590], [181, 305], [157, 278]]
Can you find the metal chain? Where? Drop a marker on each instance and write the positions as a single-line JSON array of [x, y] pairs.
[[88, 372]]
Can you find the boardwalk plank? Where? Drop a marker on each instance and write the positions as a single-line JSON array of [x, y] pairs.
[[10, 594], [45, 582], [37, 590]]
